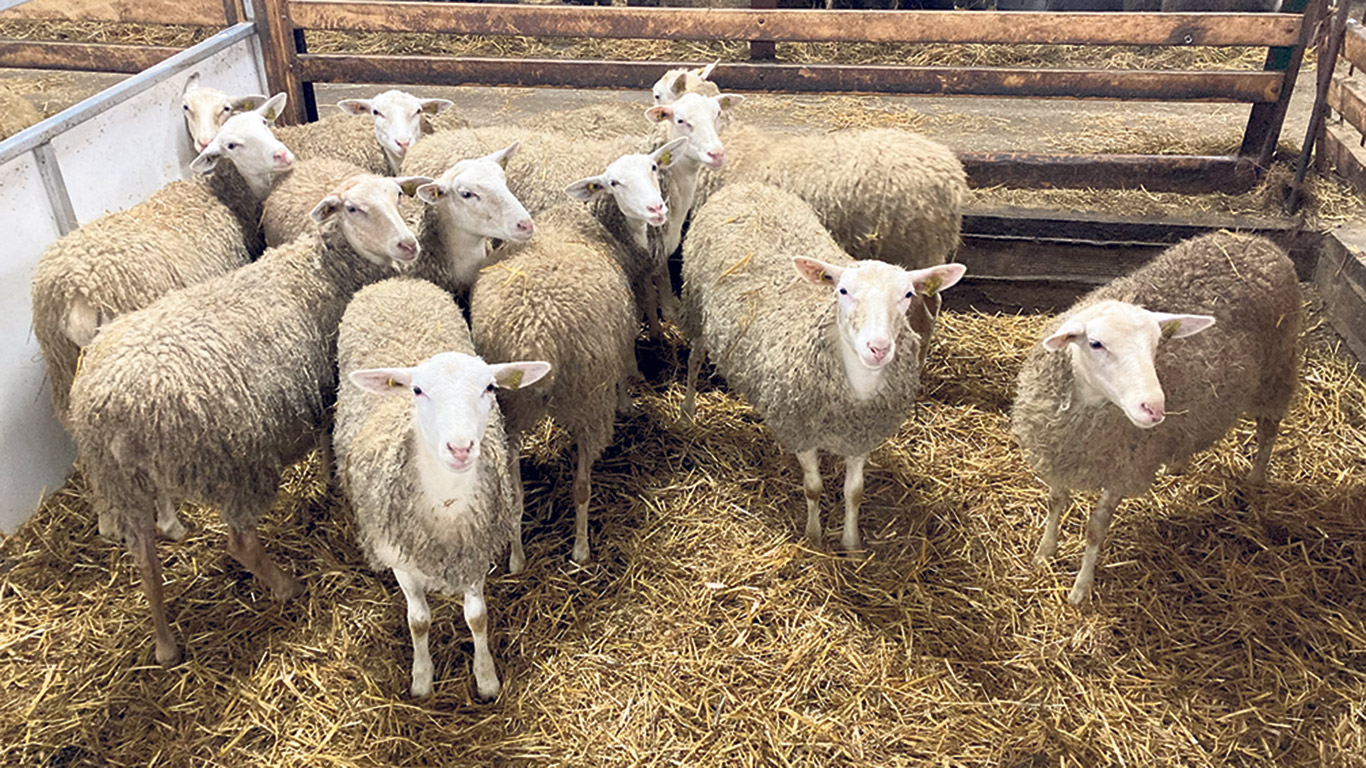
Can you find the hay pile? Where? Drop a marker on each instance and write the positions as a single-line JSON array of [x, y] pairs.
[[1228, 626]]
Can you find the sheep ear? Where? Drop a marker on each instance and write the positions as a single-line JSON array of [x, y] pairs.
[[519, 374], [273, 107], [668, 154], [728, 100], [940, 277], [430, 193], [1069, 331], [590, 188], [190, 84], [818, 272], [501, 156], [436, 106], [659, 114], [355, 106], [384, 381], [705, 72], [326, 209], [1178, 326], [207, 159], [680, 85], [247, 103], [409, 185]]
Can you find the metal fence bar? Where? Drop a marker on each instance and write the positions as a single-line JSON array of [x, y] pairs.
[[50, 171]]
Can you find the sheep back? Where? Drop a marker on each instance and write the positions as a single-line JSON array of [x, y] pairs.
[[397, 323], [342, 136], [772, 335], [561, 298], [285, 215], [1245, 363]]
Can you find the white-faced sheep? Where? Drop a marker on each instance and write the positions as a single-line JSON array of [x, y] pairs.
[[1117, 390], [676, 82], [822, 351], [468, 204], [562, 298], [698, 118], [426, 470], [185, 233], [374, 134], [207, 394], [206, 109]]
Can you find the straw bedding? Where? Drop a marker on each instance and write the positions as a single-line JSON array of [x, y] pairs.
[[1228, 628]]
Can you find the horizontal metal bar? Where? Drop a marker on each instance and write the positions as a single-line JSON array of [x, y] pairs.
[[1190, 174], [1346, 97], [82, 57], [1354, 43], [732, 24], [111, 97], [938, 81]]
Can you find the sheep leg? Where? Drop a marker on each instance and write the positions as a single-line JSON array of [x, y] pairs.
[[1179, 467], [1096, 529], [695, 358], [419, 626], [143, 546], [1058, 501], [668, 302], [811, 484], [477, 617], [853, 498], [583, 490], [168, 522], [108, 523], [245, 547], [652, 309], [516, 560], [1266, 439]]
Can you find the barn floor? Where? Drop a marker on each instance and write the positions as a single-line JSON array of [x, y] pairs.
[[1228, 625]]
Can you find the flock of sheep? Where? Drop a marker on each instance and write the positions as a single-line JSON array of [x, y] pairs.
[[311, 285]]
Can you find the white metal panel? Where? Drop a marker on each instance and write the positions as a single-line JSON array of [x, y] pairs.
[[110, 161], [124, 155], [37, 454]]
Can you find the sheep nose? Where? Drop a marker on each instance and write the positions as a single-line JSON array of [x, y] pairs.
[[717, 157], [525, 226], [203, 145], [879, 349], [1155, 412], [657, 209], [460, 454], [403, 145], [284, 157], [409, 247]]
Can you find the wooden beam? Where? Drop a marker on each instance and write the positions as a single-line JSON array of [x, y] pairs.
[[202, 13], [1346, 97], [82, 57], [1264, 122], [938, 81], [1191, 174], [1340, 152], [276, 33], [1354, 44], [1222, 29]]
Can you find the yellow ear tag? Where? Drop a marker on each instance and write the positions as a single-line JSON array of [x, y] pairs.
[[392, 384], [594, 187], [503, 162], [1170, 328], [666, 158], [932, 285], [513, 379]]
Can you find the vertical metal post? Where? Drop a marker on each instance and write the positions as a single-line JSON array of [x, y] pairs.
[[1264, 123], [762, 50], [277, 48], [310, 101], [55, 186]]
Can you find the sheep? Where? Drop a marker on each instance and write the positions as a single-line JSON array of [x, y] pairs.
[[209, 392], [206, 109], [374, 134], [467, 205], [1089, 419], [406, 462], [698, 118], [185, 233], [285, 214], [676, 82], [562, 298], [16, 114], [823, 368]]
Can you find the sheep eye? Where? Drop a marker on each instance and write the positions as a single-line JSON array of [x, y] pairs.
[[185, 107], [226, 109], [350, 209], [844, 291], [1095, 344], [233, 145], [465, 193], [654, 167], [490, 387], [417, 390], [613, 183], [910, 294], [376, 113]]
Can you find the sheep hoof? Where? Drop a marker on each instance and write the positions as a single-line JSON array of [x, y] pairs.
[[168, 656], [1257, 476], [1040, 559], [1078, 595], [851, 543], [287, 590], [489, 692], [580, 555], [421, 690], [176, 531], [815, 538], [516, 564]]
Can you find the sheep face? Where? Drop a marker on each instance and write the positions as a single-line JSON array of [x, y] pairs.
[[245, 140], [475, 199], [697, 118], [366, 210], [398, 120], [674, 83], [453, 394], [633, 181], [206, 109], [873, 298], [1113, 345]]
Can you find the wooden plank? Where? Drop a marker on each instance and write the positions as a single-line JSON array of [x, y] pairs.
[[1339, 152], [1093, 228], [1354, 44], [1191, 174], [763, 50], [1340, 277], [203, 13], [1347, 97], [1264, 122], [276, 33], [1217, 86], [82, 57], [737, 24]]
